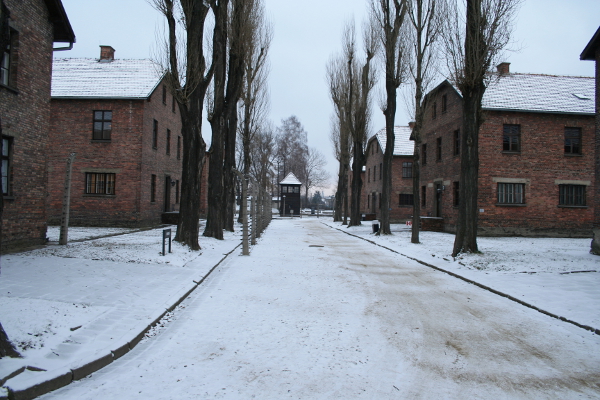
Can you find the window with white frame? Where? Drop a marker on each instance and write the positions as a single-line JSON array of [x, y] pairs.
[[511, 193]]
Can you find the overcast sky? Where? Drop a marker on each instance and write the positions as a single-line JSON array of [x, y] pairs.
[[550, 34]]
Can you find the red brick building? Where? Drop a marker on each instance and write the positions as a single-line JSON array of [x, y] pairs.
[[536, 154], [402, 198], [592, 52], [119, 118], [25, 74]]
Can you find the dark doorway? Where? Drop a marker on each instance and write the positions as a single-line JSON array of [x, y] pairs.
[[167, 193], [374, 204], [438, 200]]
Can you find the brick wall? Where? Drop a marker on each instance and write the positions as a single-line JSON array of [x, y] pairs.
[[129, 154], [541, 165], [25, 110], [156, 161], [373, 184]]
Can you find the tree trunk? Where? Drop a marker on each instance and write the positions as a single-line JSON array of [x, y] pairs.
[[390, 114], [468, 213], [356, 190], [416, 218], [472, 89], [216, 199], [6, 347], [191, 172]]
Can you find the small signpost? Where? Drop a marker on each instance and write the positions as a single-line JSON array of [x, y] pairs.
[[166, 235]]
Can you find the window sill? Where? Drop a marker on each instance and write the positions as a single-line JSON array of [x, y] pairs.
[[101, 140], [573, 155], [8, 198], [563, 206], [99, 195], [9, 88], [405, 206], [511, 152], [510, 205]]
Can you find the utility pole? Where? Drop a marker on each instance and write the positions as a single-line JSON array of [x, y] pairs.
[[64, 221]]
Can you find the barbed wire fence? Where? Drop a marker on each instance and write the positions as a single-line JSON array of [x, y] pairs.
[[259, 211]]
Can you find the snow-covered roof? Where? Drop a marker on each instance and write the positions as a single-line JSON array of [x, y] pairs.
[[89, 78], [290, 179], [540, 93], [403, 146]]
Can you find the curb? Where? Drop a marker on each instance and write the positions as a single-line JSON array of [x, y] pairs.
[[64, 376], [480, 285]]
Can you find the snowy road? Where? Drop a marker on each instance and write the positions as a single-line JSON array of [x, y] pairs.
[[342, 321]]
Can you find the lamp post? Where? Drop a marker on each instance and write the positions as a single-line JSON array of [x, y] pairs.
[[283, 209]]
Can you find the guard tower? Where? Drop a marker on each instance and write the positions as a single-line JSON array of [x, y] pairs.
[[289, 189]]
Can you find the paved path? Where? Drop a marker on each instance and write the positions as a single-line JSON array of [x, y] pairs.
[[351, 320]]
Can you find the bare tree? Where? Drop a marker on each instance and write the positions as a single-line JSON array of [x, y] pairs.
[[188, 78], [426, 22], [388, 17], [254, 94], [231, 34], [291, 147], [262, 156], [340, 134], [470, 54], [314, 174], [361, 82]]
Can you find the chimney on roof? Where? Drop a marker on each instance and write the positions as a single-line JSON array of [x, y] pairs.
[[107, 54], [503, 68]]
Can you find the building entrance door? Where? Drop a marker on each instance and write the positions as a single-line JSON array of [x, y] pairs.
[[438, 200]]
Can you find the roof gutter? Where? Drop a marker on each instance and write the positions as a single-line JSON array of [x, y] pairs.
[[538, 111], [69, 47]]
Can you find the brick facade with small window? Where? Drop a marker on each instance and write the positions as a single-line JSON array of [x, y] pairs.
[[24, 112], [536, 169], [135, 170], [402, 192]]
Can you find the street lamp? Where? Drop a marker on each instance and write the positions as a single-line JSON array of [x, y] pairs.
[[283, 209]]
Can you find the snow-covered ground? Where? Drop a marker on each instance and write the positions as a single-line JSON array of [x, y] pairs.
[[558, 275], [66, 305]]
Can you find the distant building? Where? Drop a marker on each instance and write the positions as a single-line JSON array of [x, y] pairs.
[[120, 119], [25, 74], [401, 201], [536, 155], [592, 52], [289, 189]]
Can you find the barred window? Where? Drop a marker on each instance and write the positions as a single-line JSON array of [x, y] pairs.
[[407, 168], [444, 103], [439, 148], [168, 141], [99, 183], [155, 135], [571, 195], [102, 125], [511, 193], [511, 140], [406, 199], [153, 189], [572, 140], [423, 196], [6, 164], [424, 154]]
